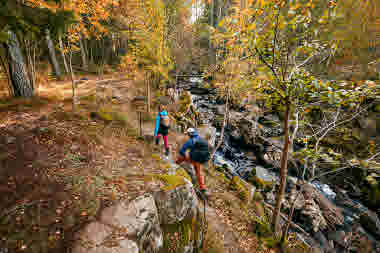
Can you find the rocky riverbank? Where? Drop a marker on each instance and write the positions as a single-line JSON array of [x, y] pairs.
[[252, 149]]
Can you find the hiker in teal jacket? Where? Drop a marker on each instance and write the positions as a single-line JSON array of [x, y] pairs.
[[161, 128]]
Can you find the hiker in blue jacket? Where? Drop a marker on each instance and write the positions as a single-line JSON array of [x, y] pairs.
[[162, 127], [195, 151]]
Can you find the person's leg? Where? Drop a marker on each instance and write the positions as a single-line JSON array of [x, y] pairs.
[[166, 141], [201, 179], [158, 139], [166, 144]]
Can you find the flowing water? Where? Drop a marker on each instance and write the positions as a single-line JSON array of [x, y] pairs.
[[239, 163]]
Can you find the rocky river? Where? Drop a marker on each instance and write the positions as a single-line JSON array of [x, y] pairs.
[[333, 220]]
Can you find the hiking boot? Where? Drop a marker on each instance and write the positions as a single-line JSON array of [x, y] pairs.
[[166, 151]]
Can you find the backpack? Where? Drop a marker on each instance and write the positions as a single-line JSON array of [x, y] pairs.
[[164, 120], [201, 152]]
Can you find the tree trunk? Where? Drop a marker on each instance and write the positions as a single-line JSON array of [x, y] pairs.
[[148, 83], [22, 86], [83, 53], [63, 53], [53, 57], [72, 79], [283, 171]]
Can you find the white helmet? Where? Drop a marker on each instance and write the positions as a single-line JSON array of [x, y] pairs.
[[190, 131]]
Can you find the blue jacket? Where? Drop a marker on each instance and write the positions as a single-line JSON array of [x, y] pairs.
[[189, 144], [158, 119]]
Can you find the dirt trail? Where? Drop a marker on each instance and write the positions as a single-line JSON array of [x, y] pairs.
[[59, 168]]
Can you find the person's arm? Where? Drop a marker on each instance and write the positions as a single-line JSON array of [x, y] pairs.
[[188, 145], [157, 125]]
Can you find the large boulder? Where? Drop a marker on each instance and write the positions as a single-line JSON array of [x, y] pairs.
[[371, 223], [177, 204], [125, 227], [332, 214], [154, 222], [179, 213]]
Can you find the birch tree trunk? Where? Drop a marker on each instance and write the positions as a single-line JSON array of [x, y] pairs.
[[53, 56], [283, 171], [149, 79], [22, 86], [83, 53], [63, 53]]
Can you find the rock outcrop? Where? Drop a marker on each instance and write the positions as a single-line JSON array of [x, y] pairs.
[[167, 218], [371, 223], [124, 227]]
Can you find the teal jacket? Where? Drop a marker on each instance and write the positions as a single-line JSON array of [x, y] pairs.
[[158, 119]]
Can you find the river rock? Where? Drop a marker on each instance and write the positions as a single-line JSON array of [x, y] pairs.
[[130, 226], [220, 109], [177, 204], [271, 120], [371, 223], [330, 212], [342, 199], [314, 215], [339, 237], [325, 244], [200, 90], [97, 238]]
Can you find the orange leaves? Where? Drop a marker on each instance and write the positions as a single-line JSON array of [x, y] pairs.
[[95, 11]]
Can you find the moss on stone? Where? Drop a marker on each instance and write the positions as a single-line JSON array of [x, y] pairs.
[[376, 108], [372, 195], [181, 172], [257, 196], [238, 186], [172, 181], [258, 182]]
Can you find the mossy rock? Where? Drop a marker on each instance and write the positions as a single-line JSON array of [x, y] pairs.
[[171, 182], [258, 182], [261, 226], [239, 186], [376, 108], [257, 196], [182, 172], [372, 195]]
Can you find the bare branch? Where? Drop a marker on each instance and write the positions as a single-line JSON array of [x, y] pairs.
[[373, 157], [300, 65], [266, 63], [328, 172], [342, 122]]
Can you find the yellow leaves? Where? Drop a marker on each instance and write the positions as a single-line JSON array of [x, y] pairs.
[[252, 26]]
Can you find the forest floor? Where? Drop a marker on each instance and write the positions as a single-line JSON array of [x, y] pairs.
[[60, 167]]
